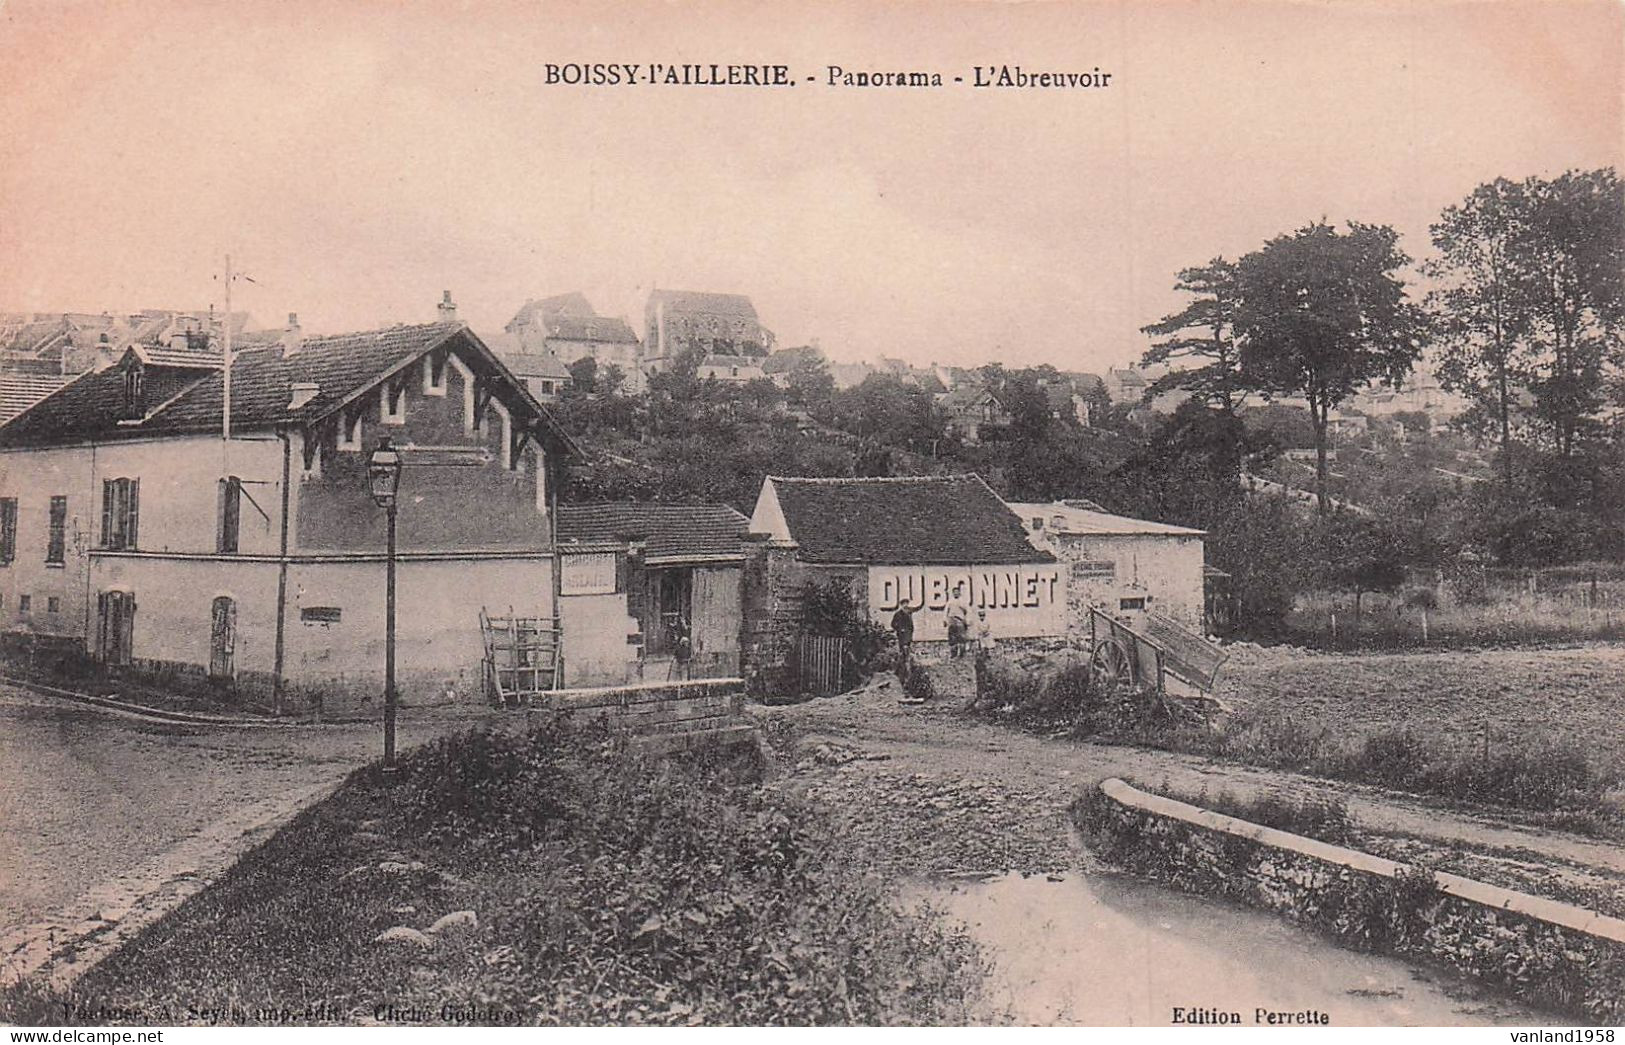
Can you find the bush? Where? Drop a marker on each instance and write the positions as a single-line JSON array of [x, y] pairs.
[[1312, 816], [486, 789], [608, 891], [829, 609]]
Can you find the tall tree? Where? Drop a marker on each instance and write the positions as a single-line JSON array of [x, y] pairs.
[[1202, 332], [1322, 313], [1570, 254], [1479, 308]]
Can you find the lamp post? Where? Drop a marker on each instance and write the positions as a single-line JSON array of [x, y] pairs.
[[384, 480]]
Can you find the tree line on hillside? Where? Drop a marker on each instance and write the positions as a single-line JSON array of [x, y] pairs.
[[1522, 316]]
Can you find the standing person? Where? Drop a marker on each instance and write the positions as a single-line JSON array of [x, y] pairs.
[[982, 635], [958, 624], [902, 625]]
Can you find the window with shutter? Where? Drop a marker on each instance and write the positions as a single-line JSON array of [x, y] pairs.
[[56, 543], [8, 529], [120, 513], [231, 503]]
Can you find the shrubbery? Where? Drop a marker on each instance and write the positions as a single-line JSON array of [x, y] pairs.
[[607, 890]]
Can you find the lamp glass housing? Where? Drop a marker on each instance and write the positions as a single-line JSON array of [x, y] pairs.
[[384, 473]]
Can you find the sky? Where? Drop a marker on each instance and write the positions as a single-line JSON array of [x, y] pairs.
[[355, 159]]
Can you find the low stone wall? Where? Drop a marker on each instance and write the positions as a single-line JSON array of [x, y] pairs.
[[650, 707], [1547, 952]]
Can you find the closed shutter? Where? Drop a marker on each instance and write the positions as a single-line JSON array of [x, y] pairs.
[[231, 503], [108, 487], [101, 625], [8, 529], [134, 513]]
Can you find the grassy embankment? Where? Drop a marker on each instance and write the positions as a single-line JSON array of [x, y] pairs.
[[1443, 725], [603, 890]]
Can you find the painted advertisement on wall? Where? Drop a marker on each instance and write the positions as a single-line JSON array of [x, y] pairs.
[[1027, 601]]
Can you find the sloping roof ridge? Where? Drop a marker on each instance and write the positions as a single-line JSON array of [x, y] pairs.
[[46, 397], [830, 480]]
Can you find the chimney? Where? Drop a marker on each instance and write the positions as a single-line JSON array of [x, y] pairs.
[[448, 310], [292, 338], [180, 340], [303, 392]]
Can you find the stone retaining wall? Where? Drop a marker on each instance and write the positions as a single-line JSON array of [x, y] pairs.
[[1548, 953], [650, 707]]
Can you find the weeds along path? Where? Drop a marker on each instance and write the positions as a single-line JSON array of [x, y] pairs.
[[952, 794]]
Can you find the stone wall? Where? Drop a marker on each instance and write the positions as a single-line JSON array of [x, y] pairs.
[[1548, 953], [649, 707]]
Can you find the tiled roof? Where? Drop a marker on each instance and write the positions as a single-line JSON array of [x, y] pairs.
[[1073, 519], [699, 301], [940, 520], [672, 530], [730, 361], [574, 303], [23, 336], [536, 364], [1084, 382], [610, 329], [19, 391], [787, 359], [966, 397], [189, 399]]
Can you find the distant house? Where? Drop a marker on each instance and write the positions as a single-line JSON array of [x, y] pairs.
[[566, 328], [849, 375], [678, 321], [40, 352], [1125, 385], [131, 530], [1125, 567], [1065, 403], [637, 578], [736, 369], [973, 413], [543, 373], [922, 541]]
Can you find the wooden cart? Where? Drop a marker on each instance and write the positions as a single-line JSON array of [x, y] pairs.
[[1142, 658]]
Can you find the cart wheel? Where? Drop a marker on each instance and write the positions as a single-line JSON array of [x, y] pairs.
[[1110, 663]]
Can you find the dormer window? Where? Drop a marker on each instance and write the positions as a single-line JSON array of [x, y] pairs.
[[133, 405]]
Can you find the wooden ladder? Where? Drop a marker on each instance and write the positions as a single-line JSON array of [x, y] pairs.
[[521, 657]]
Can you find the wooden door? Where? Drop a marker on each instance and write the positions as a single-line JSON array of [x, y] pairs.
[[717, 619], [222, 638], [115, 632]]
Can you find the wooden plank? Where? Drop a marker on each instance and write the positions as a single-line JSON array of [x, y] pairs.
[[1188, 655]]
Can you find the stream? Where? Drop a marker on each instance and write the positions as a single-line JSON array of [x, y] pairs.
[[1111, 950]]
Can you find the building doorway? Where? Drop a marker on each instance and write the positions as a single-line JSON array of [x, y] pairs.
[[673, 616], [222, 638], [115, 630]]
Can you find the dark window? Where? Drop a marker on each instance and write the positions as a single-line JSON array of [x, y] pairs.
[[320, 614], [53, 604], [56, 547], [8, 529], [121, 513], [1131, 604], [132, 391], [231, 509], [25, 603]]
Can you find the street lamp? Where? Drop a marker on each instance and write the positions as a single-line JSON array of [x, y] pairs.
[[383, 480]]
